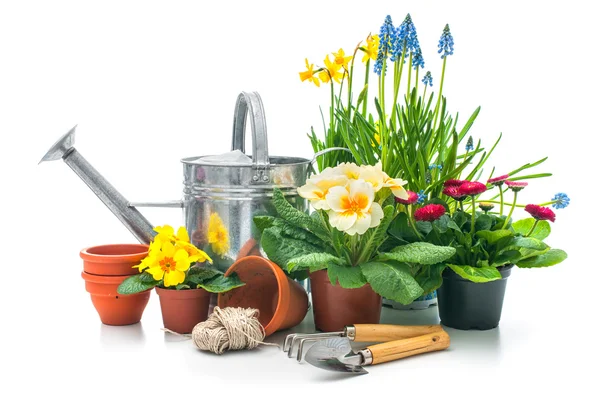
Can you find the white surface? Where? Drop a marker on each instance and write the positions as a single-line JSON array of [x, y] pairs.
[[149, 83]]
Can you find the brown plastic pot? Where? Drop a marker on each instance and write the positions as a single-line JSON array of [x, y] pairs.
[[183, 309], [113, 259], [282, 302], [335, 307], [112, 307]]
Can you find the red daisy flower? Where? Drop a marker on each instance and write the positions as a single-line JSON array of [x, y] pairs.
[[453, 182], [498, 181], [454, 192], [472, 188], [412, 198], [430, 212], [540, 213], [516, 186]]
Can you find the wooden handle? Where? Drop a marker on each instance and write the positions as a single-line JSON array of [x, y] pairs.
[[386, 333], [398, 349]]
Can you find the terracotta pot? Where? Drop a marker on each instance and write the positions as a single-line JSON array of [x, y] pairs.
[[113, 259], [112, 307], [183, 309], [282, 302], [335, 307], [250, 248]]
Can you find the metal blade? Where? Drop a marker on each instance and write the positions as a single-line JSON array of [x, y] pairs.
[[335, 355]]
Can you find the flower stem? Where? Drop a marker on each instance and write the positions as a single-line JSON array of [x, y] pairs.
[[409, 74], [439, 99], [414, 227], [532, 228], [501, 200], [417, 80], [382, 122], [399, 64], [331, 121], [472, 210], [510, 212], [364, 108]]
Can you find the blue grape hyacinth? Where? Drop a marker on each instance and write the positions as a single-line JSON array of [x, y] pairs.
[[561, 200], [427, 79], [387, 37], [417, 60], [421, 197], [469, 146], [446, 43], [406, 35]]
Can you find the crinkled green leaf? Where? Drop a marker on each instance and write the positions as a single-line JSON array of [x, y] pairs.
[[281, 249], [523, 226], [478, 275], [430, 277], [313, 261], [198, 275], [221, 283], [392, 280], [551, 257], [297, 217], [136, 284], [493, 236], [419, 253], [531, 243], [347, 277]]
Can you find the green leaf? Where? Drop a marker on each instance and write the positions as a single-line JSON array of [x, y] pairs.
[[182, 286], [136, 284], [376, 236], [281, 249], [530, 243], [392, 280], [478, 275], [198, 275], [551, 257], [263, 222], [400, 229], [419, 253], [348, 277], [430, 277], [297, 217], [523, 226], [221, 283], [507, 257], [493, 236], [483, 222], [314, 261]]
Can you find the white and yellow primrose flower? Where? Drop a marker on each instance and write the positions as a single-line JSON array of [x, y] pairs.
[[374, 175], [317, 187], [396, 186], [352, 209], [349, 170]]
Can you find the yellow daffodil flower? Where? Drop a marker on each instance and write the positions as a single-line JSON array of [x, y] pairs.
[[218, 236], [352, 209], [341, 59], [349, 170], [332, 71], [169, 264], [371, 48], [309, 74], [316, 188]]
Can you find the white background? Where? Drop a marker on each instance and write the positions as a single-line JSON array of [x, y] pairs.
[[152, 82]]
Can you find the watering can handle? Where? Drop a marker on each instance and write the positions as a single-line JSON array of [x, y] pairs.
[[250, 103]]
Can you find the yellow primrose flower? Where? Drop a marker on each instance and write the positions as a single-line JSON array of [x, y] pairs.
[[396, 186], [169, 264], [316, 188], [331, 71], [371, 49], [218, 236], [374, 175], [166, 233], [341, 59], [353, 209], [349, 170], [309, 74], [195, 255]]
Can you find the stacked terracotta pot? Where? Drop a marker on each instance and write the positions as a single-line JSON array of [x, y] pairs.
[[104, 268]]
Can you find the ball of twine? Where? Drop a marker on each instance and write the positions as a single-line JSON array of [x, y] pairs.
[[229, 329]]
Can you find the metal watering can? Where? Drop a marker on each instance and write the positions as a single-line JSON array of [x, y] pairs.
[[219, 199]]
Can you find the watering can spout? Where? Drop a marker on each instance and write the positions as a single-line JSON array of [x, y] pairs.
[[129, 216]]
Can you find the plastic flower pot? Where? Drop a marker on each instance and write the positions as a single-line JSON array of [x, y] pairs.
[[112, 307], [468, 305], [113, 259], [183, 309], [282, 302], [335, 307]]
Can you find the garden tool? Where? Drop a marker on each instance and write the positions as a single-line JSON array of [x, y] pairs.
[[336, 354], [359, 333]]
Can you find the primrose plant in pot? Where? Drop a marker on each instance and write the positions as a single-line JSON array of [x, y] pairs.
[[342, 246], [183, 281], [472, 282]]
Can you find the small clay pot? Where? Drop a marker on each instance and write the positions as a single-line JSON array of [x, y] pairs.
[[113, 259], [183, 309], [250, 248], [335, 307], [112, 307], [282, 302]]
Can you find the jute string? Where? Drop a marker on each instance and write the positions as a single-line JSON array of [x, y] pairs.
[[229, 329]]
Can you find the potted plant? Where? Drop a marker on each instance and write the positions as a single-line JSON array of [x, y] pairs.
[[343, 245], [471, 283], [176, 268]]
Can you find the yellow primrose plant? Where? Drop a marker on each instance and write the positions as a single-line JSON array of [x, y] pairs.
[[347, 234], [173, 262]]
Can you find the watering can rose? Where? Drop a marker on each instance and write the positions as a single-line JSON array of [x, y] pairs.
[[349, 194]]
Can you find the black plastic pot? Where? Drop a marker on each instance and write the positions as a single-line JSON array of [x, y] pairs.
[[465, 305]]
